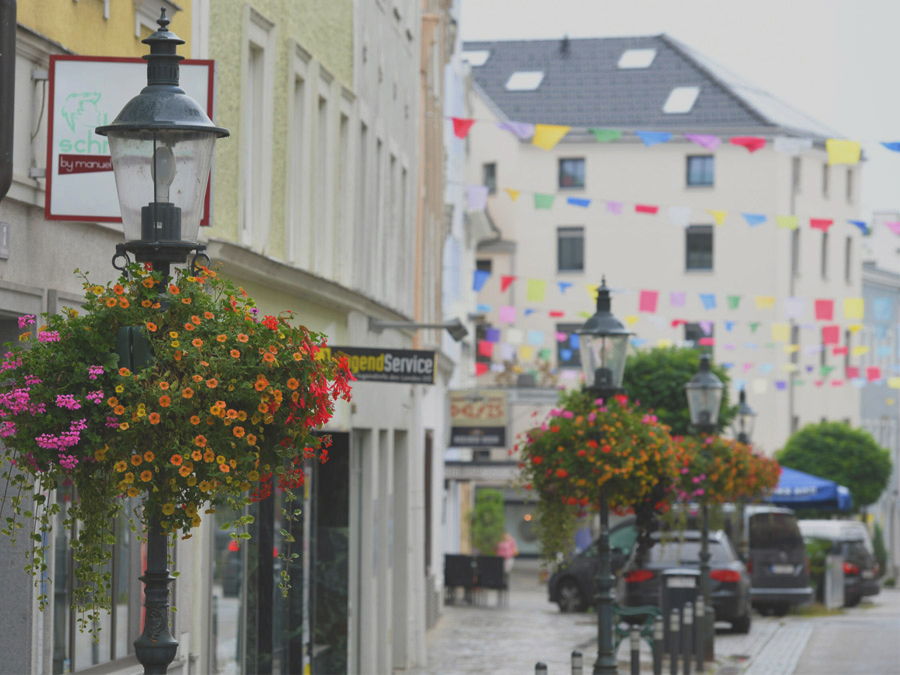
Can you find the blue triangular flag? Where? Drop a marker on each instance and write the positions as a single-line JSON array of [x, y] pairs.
[[574, 341], [739, 384], [892, 145], [579, 201], [766, 368], [565, 354], [654, 137], [638, 342], [728, 365], [564, 286], [481, 276], [754, 218], [484, 309], [708, 300], [529, 312], [729, 325], [861, 224]]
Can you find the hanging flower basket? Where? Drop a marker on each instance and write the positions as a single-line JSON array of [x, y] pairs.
[[587, 450], [183, 397]]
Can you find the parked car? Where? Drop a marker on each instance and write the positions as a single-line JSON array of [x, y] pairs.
[[729, 580], [777, 562], [572, 585], [850, 540]]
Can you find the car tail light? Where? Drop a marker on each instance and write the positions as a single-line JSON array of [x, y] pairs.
[[638, 576], [727, 576], [850, 569], [876, 569]]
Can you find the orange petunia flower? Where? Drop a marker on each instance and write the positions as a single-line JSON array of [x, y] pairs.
[[113, 401], [251, 439], [200, 441], [178, 354], [145, 303], [196, 319], [195, 420], [187, 392], [149, 456], [231, 413], [212, 383], [242, 338], [151, 326], [208, 315], [261, 383], [111, 302], [176, 460], [186, 301], [148, 282], [136, 460], [292, 384], [146, 476], [124, 372], [196, 455], [197, 378], [174, 290], [185, 471], [165, 401], [224, 468], [238, 431], [123, 302], [298, 356], [263, 407], [221, 338], [164, 385], [119, 410], [154, 418], [209, 456], [235, 354], [118, 289], [268, 358], [189, 326], [197, 342]]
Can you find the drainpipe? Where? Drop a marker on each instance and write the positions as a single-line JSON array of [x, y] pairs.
[[7, 91]]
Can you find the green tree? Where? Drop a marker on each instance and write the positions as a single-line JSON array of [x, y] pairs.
[[488, 521], [656, 380], [838, 452]]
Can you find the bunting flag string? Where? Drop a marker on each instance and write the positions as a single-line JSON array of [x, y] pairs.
[[547, 136]]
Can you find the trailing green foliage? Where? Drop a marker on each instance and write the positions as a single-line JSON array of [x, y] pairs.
[[838, 452], [655, 379], [488, 521]]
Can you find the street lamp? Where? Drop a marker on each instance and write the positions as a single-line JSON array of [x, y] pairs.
[[745, 419], [704, 395], [603, 342], [161, 146]]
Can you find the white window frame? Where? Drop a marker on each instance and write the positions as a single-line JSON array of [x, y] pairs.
[[298, 201], [323, 234], [344, 202]]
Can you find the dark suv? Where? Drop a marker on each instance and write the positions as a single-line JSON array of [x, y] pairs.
[[777, 560]]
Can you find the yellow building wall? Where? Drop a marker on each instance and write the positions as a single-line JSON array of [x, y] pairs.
[[80, 26]]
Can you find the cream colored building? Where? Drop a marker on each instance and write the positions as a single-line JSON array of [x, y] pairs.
[[656, 84]]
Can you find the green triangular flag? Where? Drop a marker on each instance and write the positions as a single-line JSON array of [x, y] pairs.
[[825, 370], [798, 383], [606, 135], [544, 354], [734, 301], [753, 326], [543, 201]]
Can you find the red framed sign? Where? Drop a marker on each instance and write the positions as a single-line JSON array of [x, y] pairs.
[[87, 92]]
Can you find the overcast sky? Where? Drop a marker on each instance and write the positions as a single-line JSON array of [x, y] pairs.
[[837, 60]]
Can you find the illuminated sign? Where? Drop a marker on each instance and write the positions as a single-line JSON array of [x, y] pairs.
[[387, 365], [478, 418]]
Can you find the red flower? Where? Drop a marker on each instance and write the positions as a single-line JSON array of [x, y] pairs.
[[561, 473], [537, 459], [270, 322], [606, 449]]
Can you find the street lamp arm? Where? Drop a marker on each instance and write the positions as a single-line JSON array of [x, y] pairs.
[[454, 326]]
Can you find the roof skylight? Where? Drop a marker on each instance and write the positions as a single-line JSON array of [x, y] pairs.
[[637, 58], [476, 58], [525, 80], [681, 100]]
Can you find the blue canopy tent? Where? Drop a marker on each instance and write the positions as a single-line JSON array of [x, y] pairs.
[[798, 490]]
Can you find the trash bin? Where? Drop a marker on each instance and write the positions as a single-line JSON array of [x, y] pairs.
[[677, 586]]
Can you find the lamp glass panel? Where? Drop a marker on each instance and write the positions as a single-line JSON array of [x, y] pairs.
[[603, 352], [179, 174], [704, 400], [746, 422]]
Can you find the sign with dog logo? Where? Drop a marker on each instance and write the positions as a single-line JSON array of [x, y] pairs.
[[86, 92]]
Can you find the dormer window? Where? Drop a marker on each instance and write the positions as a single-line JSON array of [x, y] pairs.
[[637, 58], [476, 58], [681, 100], [525, 80]]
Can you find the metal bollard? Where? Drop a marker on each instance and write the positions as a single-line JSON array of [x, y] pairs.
[[658, 636], [577, 663], [540, 668], [674, 641], [635, 650], [687, 637], [699, 612]]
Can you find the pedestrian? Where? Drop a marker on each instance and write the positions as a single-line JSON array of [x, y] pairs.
[[508, 550]]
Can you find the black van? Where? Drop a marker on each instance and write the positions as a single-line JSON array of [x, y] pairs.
[[777, 562]]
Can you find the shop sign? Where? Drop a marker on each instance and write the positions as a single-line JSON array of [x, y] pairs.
[[408, 366], [478, 418], [86, 92]]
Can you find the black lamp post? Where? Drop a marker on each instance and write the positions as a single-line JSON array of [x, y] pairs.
[[745, 419], [603, 342], [161, 146], [704, 394]]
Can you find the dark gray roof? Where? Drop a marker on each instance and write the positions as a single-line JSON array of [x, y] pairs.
[[583, 87]]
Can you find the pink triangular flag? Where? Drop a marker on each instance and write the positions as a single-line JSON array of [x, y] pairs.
[[506, 281], [461, 126], [752, 143]]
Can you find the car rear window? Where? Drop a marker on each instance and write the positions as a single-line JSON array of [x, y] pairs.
[[686, 552], [775, 530]]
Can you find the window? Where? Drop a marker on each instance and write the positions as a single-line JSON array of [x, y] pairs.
[[528, 80], [693, 333], [795, 252], [848, 257], [849, 186], [824, 261], [489, 177], [568, 354], [826, 172], [476, 58], [681, 100], [571, 172], [484, 265], [699, 247], [700, 170], [636, 58], [795, 174], [570, 249]]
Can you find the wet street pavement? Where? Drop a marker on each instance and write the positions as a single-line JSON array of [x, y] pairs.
[[485, 638]]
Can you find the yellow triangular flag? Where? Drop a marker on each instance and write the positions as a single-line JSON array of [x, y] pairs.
[[513, 194], [854, 308], [718, 216], [781, 332], [894, 383], [526, 352], [790, 349], [764, 301], [546, 136], [860, 350], [536, 291], [592, 290], [842, 152], [855, 327], [664, 342], [786, 222], [631, 319], [789, 367]]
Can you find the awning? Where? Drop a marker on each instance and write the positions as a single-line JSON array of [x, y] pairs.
[[799, 490]]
